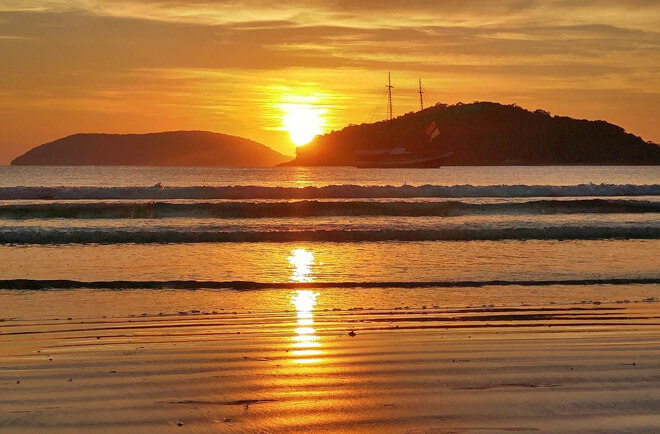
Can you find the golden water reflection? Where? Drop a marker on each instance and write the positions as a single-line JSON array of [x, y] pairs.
[[302, 261], [305, 343]]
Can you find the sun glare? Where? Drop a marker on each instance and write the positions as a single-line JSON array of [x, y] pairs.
[[302, 261], [303, 122]]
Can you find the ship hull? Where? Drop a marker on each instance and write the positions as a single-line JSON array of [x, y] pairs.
[[410, 163]]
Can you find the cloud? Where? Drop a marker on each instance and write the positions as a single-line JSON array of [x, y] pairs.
[[204, 63]]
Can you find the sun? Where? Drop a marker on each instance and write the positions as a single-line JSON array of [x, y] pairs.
[[303, 122]]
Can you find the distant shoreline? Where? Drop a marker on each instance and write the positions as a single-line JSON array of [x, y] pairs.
[[481, 134]]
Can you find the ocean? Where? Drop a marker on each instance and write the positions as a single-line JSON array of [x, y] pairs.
[[303, 300], [446, 225]]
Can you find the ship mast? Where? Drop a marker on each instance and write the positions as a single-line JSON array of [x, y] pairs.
[[421, 98], [389, 93]]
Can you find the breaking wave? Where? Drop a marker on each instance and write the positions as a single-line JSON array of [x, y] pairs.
[[249, 285], [165, 235], [331, 191], [310, 208]]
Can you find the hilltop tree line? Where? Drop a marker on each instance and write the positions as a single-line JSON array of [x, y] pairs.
[[485, 133]]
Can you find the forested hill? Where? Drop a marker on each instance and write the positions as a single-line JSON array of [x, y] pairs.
[[174, 148], [485, 133]]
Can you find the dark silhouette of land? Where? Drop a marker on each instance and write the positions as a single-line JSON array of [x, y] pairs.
[[176, 148], [485, 133], [481, 133]]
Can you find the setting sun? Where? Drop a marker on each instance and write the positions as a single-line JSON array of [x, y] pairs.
[[303, 122]]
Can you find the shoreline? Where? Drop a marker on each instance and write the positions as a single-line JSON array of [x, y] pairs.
[[245, 285]]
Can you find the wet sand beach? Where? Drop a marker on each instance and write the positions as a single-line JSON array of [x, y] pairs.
[[326, 361]]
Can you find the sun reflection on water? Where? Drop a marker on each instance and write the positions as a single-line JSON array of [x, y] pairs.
[[302, 261]]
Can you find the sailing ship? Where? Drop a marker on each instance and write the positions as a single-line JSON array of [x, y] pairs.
[[399, 157]]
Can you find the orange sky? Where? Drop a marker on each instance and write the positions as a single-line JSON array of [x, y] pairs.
[[230, 66]]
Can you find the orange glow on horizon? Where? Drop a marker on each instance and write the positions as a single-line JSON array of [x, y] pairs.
[[289, 72]]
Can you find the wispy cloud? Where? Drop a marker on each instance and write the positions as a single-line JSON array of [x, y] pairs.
[[223, 65]]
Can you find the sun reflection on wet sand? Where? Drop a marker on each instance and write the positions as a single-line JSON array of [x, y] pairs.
[[305, 343]]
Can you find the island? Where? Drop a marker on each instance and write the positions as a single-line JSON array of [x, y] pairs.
[[174, 148], [480, 134]]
